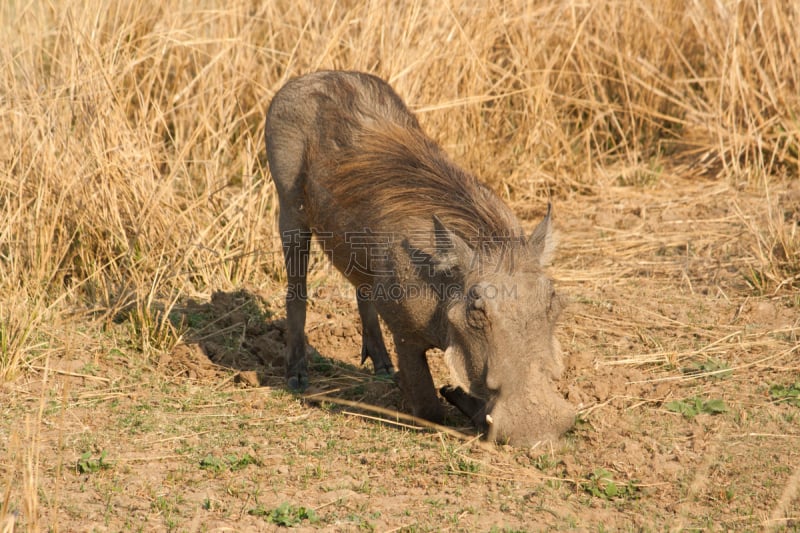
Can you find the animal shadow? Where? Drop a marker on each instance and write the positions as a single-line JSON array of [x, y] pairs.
[[239, 331]]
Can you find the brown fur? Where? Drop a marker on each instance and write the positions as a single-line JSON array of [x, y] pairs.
[[348, 157], [401, 177]]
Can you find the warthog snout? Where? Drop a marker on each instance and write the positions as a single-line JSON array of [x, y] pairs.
[[524, 423]]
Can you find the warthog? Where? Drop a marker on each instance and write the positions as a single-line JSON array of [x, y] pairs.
[[429, 248]]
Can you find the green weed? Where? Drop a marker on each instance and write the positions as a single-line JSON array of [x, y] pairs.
[[463, 466], [228, 462], [786, 394], [692, 407], [286, 514], [87, 465], [713, 367], [544, 462], [601, 484]]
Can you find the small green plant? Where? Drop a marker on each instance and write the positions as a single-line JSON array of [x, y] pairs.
[[601, 484], [692, 407], [168, 507], [239, 463], [161, 503], [786, 394], [757, 281], [286, 514], [712, 366], [463, 466], [544, 462], [211, 463], [361, 523], [580, 425], [230, 462], [87, 465]]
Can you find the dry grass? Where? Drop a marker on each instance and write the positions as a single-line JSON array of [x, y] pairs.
[[133, 170], [133, 154]]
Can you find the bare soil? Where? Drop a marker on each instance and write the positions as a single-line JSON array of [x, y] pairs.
[[664, 308]]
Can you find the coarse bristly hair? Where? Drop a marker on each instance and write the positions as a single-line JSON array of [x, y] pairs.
[[394, 177]]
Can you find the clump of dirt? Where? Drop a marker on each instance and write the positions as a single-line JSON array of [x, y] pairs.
[[188, 360], [234, 330]]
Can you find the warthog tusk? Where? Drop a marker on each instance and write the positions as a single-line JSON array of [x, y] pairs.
[[489, 420]]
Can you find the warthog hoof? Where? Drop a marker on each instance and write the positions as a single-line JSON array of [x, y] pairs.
[[297, 383], [386, 372]]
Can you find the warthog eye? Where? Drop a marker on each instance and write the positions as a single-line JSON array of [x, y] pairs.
[[476, 299], [554, 304]]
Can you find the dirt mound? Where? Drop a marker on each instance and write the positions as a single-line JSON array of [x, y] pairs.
[[234, 330], [239, 331]]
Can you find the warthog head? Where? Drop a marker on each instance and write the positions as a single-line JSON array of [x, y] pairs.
[[501, 347]]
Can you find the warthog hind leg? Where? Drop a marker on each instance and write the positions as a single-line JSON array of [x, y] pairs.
[[372, 344], [296, 242]]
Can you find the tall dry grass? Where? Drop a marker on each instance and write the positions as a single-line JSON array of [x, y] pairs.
[[133, 170]]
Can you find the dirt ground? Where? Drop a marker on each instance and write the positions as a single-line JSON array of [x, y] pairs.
[[675, 358], [142, 323]]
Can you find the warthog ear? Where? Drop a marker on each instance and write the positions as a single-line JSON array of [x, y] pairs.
[[542, 242], [451, 253]]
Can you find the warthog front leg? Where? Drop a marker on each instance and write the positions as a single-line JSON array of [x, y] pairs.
[[472, 407], [416, 381]]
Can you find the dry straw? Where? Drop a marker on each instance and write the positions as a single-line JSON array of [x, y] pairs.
[[132, 168], [133, 161]]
